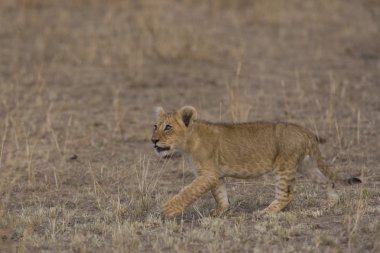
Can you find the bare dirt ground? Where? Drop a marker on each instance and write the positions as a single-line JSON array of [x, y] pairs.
[[78, 84]]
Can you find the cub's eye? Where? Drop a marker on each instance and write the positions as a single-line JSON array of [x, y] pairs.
[[155, 127], [167, 127]]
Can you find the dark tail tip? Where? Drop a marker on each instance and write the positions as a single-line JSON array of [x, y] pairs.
[[354, 180], [320, 139]]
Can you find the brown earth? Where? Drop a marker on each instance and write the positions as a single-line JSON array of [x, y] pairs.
[[78, 84]]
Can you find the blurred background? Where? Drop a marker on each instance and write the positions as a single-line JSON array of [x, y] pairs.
[[79, 81]]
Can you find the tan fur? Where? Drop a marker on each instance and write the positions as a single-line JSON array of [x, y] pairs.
[[243, 150]]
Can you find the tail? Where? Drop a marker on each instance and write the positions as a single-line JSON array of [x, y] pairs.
[[320, 139], [315, 154]]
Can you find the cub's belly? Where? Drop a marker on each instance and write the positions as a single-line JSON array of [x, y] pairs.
[[243, 171]]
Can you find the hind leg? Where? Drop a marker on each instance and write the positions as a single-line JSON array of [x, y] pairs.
[[310, 169], [285, 172]]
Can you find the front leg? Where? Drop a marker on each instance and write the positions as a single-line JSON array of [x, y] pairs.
[[189, 194], [220, 195]]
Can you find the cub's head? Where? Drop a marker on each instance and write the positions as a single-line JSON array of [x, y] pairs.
[[169, 132]]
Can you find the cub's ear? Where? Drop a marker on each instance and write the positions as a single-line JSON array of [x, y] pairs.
[[159, 112], [188, 114]]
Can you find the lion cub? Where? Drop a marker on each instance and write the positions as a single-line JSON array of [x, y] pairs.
[[246, 150]]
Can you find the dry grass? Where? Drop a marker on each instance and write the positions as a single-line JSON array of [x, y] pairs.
[[78, 84]]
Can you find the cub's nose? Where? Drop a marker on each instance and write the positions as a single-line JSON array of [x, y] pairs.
[[154, 140]]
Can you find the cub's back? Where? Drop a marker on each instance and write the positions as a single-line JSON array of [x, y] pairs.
[[262, 139]]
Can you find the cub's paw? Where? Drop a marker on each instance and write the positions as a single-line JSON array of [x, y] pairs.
[[264, 213], [332, 198], [172, 208], [259, 214], [219, 211]]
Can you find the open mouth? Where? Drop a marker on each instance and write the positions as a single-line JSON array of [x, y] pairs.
[[160, 149]]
